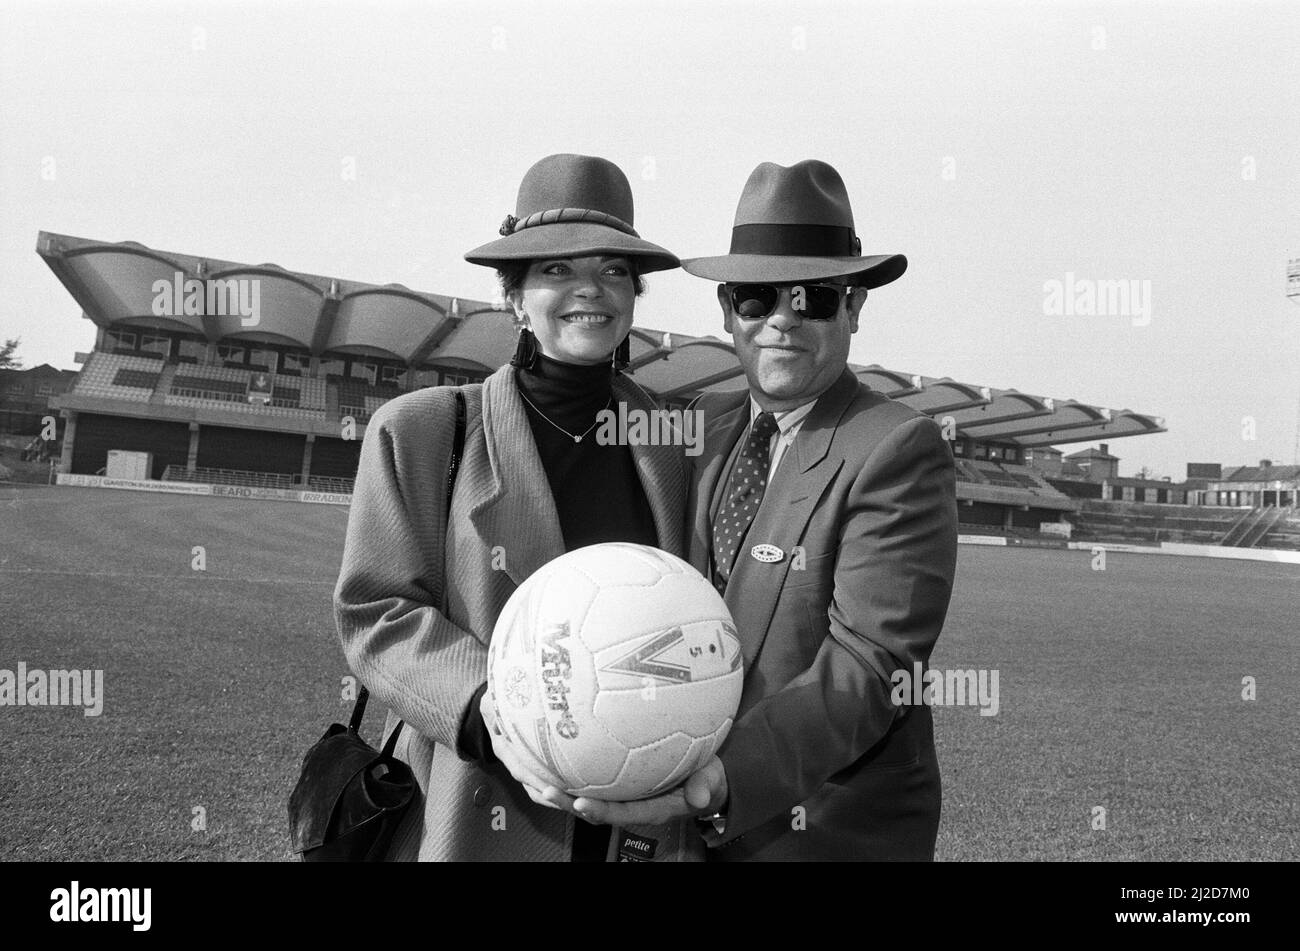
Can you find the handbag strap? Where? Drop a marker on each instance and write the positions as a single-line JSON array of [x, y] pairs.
[[453, 466]]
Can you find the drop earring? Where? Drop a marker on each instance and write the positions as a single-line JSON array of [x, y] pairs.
[[525, 357]]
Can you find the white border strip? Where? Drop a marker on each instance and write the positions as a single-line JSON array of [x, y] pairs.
[[981, 540], [1199, 551], [204, 488], [1244, 554]]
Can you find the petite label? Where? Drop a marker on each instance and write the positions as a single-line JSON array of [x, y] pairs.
[[635, 848]]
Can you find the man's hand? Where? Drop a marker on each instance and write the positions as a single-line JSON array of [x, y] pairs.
[[704, 792], [537, 782]]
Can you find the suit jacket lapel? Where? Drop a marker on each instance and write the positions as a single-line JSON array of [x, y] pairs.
[[788, 502], [514, 509]]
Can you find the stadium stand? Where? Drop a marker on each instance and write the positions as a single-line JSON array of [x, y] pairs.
[[359, 399], [994, 474], [1027, 477], [968, 472], [1284, 533], [188, 392], [226, 388], [119, 377], [288, 397], [1141, 522], [1252, 528], [311, 394]]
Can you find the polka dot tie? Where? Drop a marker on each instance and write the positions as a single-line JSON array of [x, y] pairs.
[[744, 493]]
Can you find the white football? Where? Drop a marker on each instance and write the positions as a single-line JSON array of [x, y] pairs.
[[616, 670]]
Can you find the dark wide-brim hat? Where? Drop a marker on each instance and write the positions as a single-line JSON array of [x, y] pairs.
[[795, 224], [572, 206]]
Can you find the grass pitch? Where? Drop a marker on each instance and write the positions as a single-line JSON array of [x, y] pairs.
[[1119, 690]]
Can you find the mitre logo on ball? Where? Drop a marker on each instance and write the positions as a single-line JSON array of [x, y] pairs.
[[616, 670]]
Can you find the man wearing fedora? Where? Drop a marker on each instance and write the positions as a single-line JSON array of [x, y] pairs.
[[826, 514]]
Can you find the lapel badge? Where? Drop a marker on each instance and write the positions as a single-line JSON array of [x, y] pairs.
[[768, 554]]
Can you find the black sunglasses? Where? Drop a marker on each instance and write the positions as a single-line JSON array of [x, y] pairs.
[[809, 301]]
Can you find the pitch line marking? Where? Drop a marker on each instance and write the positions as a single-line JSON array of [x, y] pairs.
[[123, 574]]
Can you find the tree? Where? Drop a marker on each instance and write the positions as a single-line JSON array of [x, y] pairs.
[[7, 359]]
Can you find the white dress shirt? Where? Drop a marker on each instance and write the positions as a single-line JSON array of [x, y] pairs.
[[788, 425]]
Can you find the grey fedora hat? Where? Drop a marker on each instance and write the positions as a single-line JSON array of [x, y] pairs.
[[795, 224], [570, 206]]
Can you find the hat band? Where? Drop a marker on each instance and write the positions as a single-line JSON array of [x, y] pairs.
[[822, 241], [556, 216]]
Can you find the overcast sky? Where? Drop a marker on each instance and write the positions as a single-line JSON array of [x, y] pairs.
[[999, 146]]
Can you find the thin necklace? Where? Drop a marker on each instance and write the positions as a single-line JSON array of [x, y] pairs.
[[561, 428]]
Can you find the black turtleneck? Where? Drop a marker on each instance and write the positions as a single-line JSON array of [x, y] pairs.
[[598, 497]]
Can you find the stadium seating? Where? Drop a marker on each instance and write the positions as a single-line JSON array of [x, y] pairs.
[[967, 472], [358, 413], [1285, 532], [1007, 476], [994, 474], [1029, 478], [358, 399], [311, 394], [226, 388], [1150, 523], [118, 376]]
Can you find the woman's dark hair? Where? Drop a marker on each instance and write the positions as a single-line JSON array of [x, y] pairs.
[[511, 276]]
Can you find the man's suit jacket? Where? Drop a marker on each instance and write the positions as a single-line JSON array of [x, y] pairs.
[[863, 505], [426, 665]]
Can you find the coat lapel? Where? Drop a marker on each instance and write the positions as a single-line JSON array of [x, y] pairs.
[[808, 467], [514, 509], [662, 474]]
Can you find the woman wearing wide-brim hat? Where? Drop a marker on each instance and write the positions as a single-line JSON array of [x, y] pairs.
[[533, 483]]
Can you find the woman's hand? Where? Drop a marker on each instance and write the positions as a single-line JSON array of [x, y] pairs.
[[704, 792], [541, 787]]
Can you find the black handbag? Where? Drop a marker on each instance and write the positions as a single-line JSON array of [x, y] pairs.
[[350, 798]]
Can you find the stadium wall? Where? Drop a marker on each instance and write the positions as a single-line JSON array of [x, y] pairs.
[[204, 488], [981, 513], [994, 516], [97, 434], [337, 458], [254, 450], [1032, 518], [1076, 489]]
